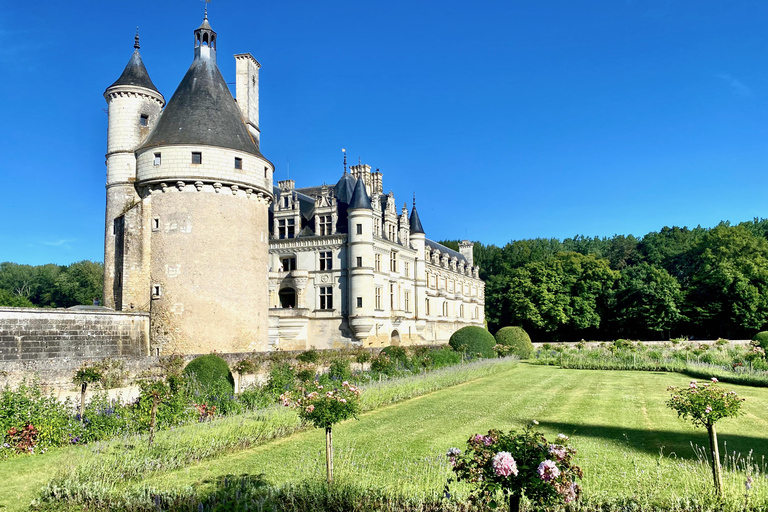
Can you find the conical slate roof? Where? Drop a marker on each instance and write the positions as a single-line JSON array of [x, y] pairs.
[[135, 74], [202, 111], [345, 188], [415, 222], [360, 197]]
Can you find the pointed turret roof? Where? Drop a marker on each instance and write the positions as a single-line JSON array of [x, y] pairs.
[[345, 187], [135, 73], [202, 111], [415, 222], [360, 197]]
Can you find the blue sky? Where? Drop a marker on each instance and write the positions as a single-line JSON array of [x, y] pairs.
[[508, 119]]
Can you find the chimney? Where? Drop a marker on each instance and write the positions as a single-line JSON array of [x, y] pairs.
[[465, 248], [247, 91]]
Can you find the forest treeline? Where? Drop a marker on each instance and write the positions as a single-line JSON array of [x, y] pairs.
[[51, 285], [703, 283]]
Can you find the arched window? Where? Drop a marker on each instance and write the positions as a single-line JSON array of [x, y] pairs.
[[287, 298]]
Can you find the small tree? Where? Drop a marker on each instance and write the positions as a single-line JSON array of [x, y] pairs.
[[705, 404], [324, 408], [85, 375], [157, 390]]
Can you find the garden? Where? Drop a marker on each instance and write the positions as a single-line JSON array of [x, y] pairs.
[[426, 429]]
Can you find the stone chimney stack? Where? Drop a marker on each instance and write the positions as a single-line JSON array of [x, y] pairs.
[[465, 248], [247, 91]]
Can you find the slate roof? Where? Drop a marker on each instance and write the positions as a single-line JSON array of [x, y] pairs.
[[202, 111], [135, 74], [345, 188], [360, 197], [415, 222], [443, 249]]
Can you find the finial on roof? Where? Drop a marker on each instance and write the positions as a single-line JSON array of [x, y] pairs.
[[345, 159], [359, 161], [206, 8], [414, 199], [136, 39]]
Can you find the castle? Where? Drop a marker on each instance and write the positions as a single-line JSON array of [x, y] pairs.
[[197, 234]]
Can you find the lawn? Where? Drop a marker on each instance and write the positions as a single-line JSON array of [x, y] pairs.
[[631, 446]]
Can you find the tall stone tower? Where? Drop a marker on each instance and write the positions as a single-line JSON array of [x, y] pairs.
[[202, 193], [360, 263], [134, 108]]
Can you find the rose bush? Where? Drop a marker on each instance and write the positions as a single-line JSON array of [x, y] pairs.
[[516, 464]]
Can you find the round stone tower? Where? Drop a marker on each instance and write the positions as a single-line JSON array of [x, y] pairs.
[[360, 262], [134, 108], [208, 189]]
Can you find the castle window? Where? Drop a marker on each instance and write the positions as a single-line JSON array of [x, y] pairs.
[[197, 158], [393, 261], [238, 163], [426, 304], [326, 297], [156, 224], [156, 291], [359, 261], [156, 161], [325, 225], [287, 298], [285, 228], [407, 301], [359, 302], [326, 260], [445, 308], [391, 296], [378, 297], [266, 170], [461, 311], [143, 120], [377, 263], [359, 229], [406, 268], [288, 263]]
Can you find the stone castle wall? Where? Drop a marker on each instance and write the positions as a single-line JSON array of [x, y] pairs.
[[29, 334]]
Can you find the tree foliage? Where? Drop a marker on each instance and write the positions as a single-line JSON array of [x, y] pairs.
[[51, 285]]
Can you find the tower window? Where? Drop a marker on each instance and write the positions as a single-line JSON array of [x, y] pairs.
[[197, 158], [266, 169], [359, 261], [144, 120], [238, 163], [359, 302], [326, 297], [156, 291], [156, 161], [326, 260], [156, 224], [359, 229]]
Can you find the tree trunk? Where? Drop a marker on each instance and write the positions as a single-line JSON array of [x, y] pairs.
[[329, 453], [717, 473], [153, 419], [82, 401], [514, 503]]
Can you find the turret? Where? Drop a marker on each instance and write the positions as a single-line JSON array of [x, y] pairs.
[[134, 106], [360, 262], [418, 242], [208, 189]]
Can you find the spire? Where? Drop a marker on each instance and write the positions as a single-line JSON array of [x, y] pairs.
[[205, 40], [360, 197], [345, 159], [415, 222], [135, 73]]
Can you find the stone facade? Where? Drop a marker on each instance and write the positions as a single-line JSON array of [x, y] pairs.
[[197, 235]]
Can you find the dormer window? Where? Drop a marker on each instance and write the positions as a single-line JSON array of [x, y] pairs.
[[197, 158]]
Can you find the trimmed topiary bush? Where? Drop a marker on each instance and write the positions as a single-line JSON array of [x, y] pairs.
[[762, 339], [517, 340], [473, 340], [210, 372]]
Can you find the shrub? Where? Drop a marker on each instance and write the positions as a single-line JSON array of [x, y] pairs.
[[282, 378], [442, 357], [397, 354], [762, 339], [383, 364], [309, 356], [517, 340], [209, 370], [473, 340], [363, 356], [340, 370]]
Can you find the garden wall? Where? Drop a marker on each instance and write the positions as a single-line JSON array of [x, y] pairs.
[[51, 342]]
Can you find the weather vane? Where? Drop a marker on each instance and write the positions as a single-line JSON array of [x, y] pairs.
[[206, 7]]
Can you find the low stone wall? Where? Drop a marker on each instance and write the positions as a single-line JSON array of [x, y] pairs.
[[53, 342]]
